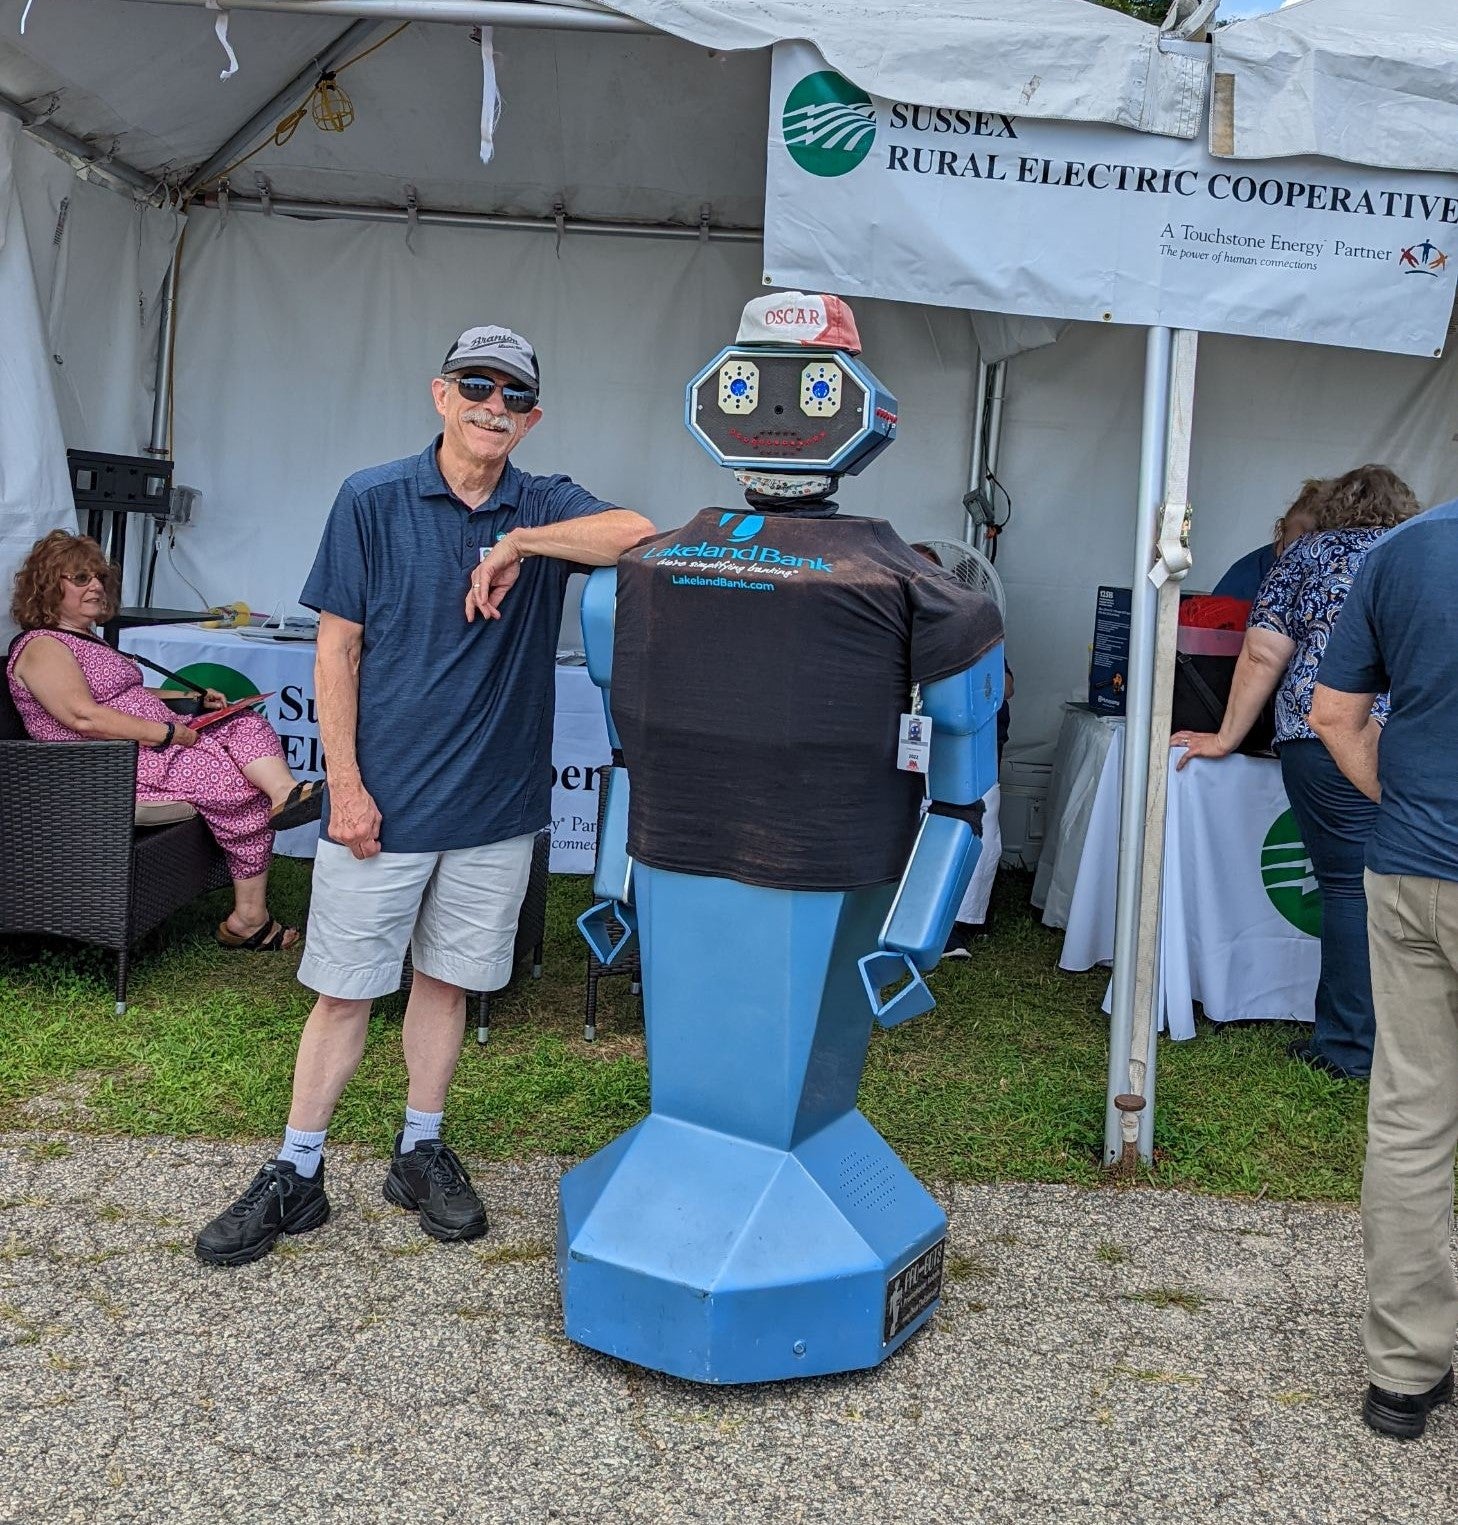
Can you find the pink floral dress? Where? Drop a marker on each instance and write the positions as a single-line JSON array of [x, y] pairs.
[[208, 776]]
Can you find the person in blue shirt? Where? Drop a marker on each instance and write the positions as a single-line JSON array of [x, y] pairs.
[[1399, 635], [439, 585], [1243, 578], [1292, 619]]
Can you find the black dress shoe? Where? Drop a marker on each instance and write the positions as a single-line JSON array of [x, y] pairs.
[[1303, 1052], [430, 1179], [278, 1200], [1405, 1415]]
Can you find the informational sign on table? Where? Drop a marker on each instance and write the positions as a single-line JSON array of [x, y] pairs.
[[237, 665], [1012, 214]]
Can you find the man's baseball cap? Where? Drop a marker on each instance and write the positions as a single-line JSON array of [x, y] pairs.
[[493, 349]]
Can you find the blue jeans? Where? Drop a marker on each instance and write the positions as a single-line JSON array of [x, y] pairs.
[[1335, 819]]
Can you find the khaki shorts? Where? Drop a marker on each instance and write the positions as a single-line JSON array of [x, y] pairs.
[[457, 910]]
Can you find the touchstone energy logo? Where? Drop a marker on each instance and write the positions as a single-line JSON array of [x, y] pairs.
[[829, 124], [1288, 876], [1425, 258]]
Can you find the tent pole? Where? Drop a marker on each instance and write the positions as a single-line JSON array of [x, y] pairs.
[[348, 212], [565, 18], [1139, 703], [162, 389], [970, 526], [115, 170], [265, 118], [1144, 1040]]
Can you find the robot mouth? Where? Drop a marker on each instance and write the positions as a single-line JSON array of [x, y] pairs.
[[778, 439]]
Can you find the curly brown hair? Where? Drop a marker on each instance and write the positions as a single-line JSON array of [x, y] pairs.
[[36, 599], [1371, 497], [1305, 505]]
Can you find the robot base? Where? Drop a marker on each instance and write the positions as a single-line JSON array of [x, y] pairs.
[[722, 1260]]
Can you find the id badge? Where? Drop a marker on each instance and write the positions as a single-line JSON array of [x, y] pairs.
[[913, 746]]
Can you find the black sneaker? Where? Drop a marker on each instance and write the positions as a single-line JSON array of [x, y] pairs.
[[1405, 1415], [278, 1201], [959, 944], [431, 1180]]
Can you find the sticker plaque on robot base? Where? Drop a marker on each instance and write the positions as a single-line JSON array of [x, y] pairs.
[[913, 1290]]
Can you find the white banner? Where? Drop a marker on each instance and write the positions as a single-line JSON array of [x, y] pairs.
[[870, 197], [238, 665], [581, 758]]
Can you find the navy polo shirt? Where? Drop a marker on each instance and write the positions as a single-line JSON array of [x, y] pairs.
[[455, 720], [1398, 632]]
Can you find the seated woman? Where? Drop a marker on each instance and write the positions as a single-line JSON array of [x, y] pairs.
[[69, 685], [1290, 622]]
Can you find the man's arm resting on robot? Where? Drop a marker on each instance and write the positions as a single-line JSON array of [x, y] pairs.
[[594, 541]]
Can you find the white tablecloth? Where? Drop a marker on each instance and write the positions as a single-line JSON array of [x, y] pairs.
[[1078, 763], [1223, 939], [240, 664]]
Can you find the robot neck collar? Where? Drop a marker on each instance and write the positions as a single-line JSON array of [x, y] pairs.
[[796, 508]]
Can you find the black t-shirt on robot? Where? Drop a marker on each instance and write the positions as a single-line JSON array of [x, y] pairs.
[[775, 653]]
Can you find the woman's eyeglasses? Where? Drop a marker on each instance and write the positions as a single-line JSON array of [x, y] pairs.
[[515, 398], [83, 579]]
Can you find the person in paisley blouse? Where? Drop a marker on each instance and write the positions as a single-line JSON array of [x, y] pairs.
[[1292, 617], [69, 685]]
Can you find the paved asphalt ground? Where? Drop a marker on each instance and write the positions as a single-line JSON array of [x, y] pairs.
[[1100, 1355]]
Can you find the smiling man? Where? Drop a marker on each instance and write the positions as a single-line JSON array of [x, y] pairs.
[[439, 585]]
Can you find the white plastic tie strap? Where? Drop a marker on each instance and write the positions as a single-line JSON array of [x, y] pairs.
[[490, 98], [220, 26], [1175, 560]]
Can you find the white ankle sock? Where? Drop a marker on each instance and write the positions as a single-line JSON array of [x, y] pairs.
[[304, 1151], [420, 1128]]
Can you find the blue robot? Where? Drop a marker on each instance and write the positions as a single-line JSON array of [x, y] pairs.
[[786, 688]]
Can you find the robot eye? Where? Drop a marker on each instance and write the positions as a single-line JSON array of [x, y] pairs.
[[738, 386], [820, 389]]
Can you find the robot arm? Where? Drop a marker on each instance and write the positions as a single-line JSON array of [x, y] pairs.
[[612, 880], [963, 711]]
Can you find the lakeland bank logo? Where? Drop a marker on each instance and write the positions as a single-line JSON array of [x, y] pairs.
[[748, 527], [1288, 876], [829, 124], [744, 528]]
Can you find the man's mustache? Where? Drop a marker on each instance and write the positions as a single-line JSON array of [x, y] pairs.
[[496, 421]]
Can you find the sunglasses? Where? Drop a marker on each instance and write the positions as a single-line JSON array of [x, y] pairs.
[[83, 579], [515, 397]]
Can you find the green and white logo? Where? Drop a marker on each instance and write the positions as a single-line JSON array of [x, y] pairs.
[[829, 124], [1288, 876], [228, 681]]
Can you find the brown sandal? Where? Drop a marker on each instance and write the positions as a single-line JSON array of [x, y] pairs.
[[269, 938], [304, 804]]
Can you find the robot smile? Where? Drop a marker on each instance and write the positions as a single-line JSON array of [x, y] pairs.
[[778, 439]]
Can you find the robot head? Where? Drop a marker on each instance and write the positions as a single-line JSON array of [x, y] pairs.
[[786, 406]]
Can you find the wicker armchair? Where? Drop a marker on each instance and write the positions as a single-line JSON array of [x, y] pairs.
[[531, 933], [73, 860]]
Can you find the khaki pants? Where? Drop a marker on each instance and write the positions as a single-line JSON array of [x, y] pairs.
[[1412, 1130]]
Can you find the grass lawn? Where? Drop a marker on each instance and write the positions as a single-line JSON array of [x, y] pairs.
[[1003, 1081]]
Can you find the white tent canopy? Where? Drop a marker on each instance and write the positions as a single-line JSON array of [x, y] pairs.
[[1371, 83], [303, 346]]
